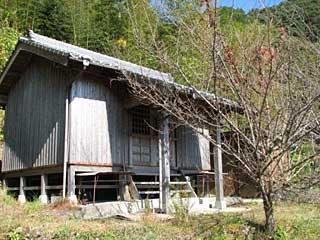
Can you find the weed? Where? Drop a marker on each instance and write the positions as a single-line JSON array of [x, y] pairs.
[[14, 235], [147, 208], [6, 198], [181, 209], [280, 234], [63, 233], [33, 206]]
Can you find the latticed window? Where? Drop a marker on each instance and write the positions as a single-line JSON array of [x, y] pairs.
[[141, 120], [141, 135]]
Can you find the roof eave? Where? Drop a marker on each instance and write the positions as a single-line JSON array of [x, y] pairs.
[[22, 45]]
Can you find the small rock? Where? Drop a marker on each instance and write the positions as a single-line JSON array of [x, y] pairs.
[[19, 230]]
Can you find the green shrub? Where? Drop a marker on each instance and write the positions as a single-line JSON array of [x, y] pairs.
[[33, 206], [14, 235], [181, 209], [6, 198], [63, 233], [280, 233]]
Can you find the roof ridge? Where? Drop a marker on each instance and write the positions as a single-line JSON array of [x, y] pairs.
[[95, 58]]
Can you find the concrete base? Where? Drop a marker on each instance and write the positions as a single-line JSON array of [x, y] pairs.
[[43, 199], [221, 205], [73, 199], [22, 199], [56, 199], [192, 205]]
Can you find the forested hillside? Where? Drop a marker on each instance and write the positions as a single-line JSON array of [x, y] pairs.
[[120, 28], [265, 61], [106, 25], [299, 17]]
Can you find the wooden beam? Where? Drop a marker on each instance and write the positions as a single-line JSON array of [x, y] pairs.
[[66, 147], [3, 99], [72, 185], [160, 171], [165, 166], [132, 101], [104, 186], [50, 169], [32, 188], [220, 201]]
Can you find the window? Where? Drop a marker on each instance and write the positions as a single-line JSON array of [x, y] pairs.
[[141, 120], [141, 135]]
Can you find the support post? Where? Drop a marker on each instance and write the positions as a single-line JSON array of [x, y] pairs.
[[72, 185], [43, 196], [66, 148], [124, 192], [164, 166], [22, 196], [160, 170], [4, 184], [207, 189], [220, 201]]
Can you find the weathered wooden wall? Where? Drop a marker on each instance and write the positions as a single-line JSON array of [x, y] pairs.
[[98, 131], [99, 124], [34, 119], [193, 150]]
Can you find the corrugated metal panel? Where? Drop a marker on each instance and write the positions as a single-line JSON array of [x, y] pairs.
[[34, 122], [98, 133]]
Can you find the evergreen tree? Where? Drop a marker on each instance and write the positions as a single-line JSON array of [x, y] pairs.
[[50, 18], [300, 17]]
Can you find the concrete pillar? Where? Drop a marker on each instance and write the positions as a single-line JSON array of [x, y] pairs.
[[22, 196], [4, 184], [72, 185], [124, 193], [164, 166], [43, 196], [220, 201]]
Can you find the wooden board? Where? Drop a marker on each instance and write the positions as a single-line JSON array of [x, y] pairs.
[[34, 120], [98, 123]]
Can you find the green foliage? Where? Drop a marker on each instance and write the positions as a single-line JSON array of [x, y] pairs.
[[6, 199], [14, 235], [181, 209], [34, 206], [280, 234], [228, 15], [62, 233], [8, 39], [299, 17], [146, 231], [147, 208], [51, 19]]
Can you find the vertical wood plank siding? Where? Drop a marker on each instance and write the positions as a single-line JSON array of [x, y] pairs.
[[34, 119], [98, 133], [193, 149], [99, 123]]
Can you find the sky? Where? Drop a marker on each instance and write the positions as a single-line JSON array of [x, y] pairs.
[[247, 5]]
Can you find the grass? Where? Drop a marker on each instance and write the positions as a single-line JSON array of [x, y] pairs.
[[34, 221]]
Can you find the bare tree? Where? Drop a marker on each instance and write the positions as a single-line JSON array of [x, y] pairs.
[[271, 79]]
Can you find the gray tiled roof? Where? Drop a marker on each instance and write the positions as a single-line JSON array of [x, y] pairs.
[[93, 58]]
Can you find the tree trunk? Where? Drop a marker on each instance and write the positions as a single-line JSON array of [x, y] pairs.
[[269, 212]]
